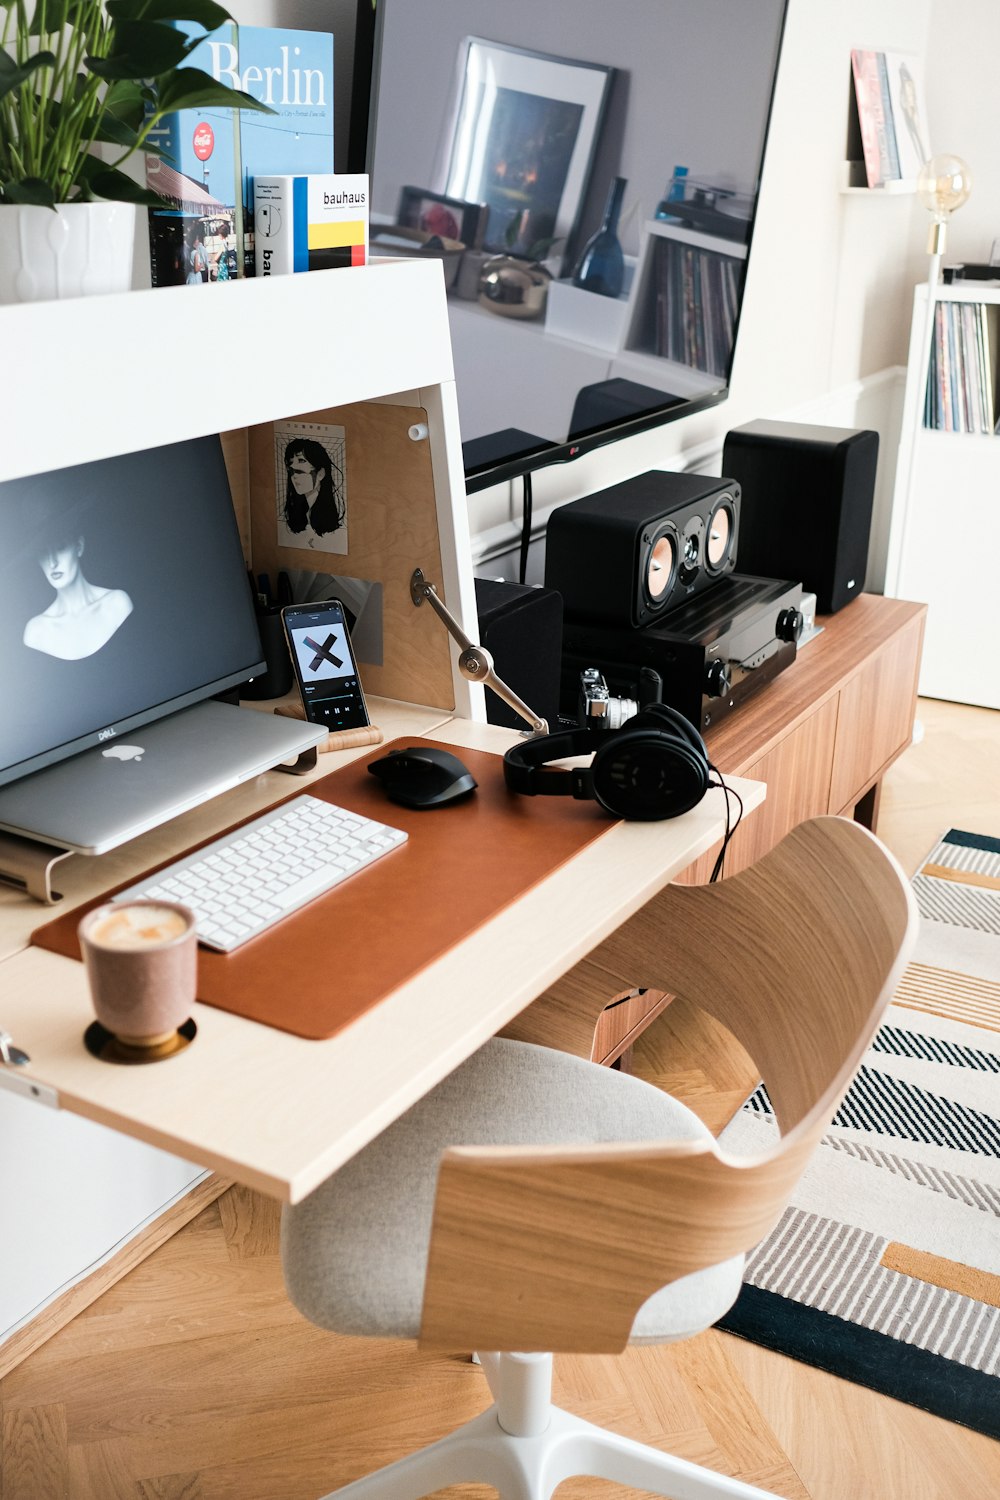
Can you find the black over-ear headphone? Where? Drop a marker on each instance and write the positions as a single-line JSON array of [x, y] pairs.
[[655, 767]]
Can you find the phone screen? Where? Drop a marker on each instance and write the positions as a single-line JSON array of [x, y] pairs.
[[324, 664]]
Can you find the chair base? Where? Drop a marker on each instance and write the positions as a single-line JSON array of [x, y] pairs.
[[551, 1445]]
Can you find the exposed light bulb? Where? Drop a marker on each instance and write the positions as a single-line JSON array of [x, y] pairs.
[[943, 185]]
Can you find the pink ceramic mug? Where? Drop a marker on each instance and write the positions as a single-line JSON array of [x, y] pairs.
[[141, 959]]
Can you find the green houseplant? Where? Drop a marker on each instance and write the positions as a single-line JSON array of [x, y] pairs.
[[83, 83]]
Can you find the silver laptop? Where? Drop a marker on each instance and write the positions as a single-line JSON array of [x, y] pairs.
[[113, 792]]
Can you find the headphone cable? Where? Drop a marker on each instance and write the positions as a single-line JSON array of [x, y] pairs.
[[525, 525], [718, 869]]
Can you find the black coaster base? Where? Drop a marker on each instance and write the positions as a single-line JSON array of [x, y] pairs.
[[105, 1046]]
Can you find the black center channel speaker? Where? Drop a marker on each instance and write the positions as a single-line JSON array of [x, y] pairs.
[[629, 554], [807, 495]]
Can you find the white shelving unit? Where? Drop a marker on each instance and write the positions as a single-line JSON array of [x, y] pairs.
[[944, 538]]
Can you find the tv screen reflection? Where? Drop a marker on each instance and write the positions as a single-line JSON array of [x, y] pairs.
[[587, 174]]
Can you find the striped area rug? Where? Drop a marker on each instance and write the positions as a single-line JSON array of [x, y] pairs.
[[885, 1269]]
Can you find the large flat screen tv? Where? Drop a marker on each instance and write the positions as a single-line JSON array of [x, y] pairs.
[[495, 132]]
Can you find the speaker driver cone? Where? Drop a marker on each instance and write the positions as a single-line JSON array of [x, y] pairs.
[[661, 567], [720, 535]]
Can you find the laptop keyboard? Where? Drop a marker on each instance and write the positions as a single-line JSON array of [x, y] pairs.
[[245, 881]]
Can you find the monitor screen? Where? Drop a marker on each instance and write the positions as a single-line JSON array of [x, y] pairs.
[[123, 597], [588, 174]]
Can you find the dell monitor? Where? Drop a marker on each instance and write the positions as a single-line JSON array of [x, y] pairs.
[[124, 600]]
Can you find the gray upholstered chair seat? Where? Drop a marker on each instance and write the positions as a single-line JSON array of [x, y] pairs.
[[355, 1251]]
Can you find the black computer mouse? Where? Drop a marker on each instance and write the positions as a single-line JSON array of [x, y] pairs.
[[423, 776]]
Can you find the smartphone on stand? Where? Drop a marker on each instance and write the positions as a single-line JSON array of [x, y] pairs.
[[324, 666]]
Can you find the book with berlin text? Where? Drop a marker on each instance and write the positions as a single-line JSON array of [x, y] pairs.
[[205, 232]]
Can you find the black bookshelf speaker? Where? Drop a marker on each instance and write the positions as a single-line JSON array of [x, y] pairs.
[[521, 627], [629, 554], [807, 496]]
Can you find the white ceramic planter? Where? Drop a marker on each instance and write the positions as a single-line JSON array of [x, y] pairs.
[[76, 250]]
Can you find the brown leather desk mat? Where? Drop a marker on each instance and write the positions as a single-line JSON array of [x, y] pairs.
[[327, 963]]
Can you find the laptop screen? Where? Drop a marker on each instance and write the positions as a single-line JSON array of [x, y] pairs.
[[123, 597]]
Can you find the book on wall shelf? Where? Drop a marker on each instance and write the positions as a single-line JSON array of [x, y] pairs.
[[888, 122], [213, 154], [962, 374]]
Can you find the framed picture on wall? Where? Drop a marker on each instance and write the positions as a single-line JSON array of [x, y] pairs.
[[523, 130], [435, 213]]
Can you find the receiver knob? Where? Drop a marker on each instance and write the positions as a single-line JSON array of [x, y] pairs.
[[789, 625], [717, 678]]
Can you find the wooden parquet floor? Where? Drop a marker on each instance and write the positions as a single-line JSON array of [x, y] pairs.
[[194, 1379]]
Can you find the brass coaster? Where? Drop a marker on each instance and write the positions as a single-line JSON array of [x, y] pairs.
[[104, 1045]]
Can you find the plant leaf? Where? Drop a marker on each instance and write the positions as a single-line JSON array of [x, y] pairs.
[[204, 13], [140, 49], [100, 125], [190, 88], [49, 18], [115, 131], [120, 188], [12, 75], [29, 190], [125, 100]]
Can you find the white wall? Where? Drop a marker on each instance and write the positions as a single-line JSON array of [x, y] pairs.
[[963, 108]]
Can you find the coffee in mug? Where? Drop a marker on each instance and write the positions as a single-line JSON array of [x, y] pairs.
[[141, 959]]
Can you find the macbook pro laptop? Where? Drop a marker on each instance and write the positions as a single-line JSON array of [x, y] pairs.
[[115, 791]]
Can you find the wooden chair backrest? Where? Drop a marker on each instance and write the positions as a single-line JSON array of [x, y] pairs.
[[557, 1248]]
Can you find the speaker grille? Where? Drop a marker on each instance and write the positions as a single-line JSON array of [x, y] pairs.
[[630, 554]]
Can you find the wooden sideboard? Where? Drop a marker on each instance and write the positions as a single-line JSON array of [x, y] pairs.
[[821, 736]]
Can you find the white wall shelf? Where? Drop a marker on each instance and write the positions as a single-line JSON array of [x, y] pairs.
[[854, 180]]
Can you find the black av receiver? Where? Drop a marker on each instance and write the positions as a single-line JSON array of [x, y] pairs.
[[710, 654]]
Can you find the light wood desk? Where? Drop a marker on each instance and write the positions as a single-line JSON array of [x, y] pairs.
[[280, 1113]]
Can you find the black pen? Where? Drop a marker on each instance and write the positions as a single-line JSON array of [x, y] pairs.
[[284, 588]]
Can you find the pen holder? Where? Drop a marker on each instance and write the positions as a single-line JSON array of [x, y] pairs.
[[276, 680]]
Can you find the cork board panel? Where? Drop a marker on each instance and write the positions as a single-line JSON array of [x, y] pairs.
[[391, 529]]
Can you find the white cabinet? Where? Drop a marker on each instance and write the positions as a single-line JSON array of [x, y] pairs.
[[97, 376], [944, 539]]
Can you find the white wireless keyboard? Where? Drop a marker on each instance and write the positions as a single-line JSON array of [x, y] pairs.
[[246, 881]]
